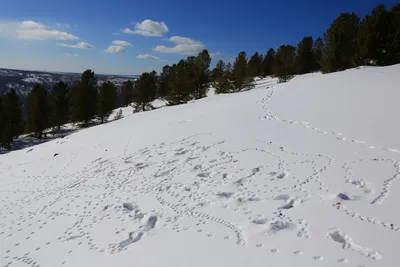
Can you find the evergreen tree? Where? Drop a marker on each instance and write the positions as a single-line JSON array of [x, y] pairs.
[[145, 90], [305, 55], [193, 74], [284, 67], [255, 65], [83, 98], [394, 35], [223, 83], [106, 100], [268, 63], [164, 81], [317, 53], [373, 38], [10, 118], [340, 43], [218, 70], [126, 93], [239, 73], [229, 72], [203, 75], [59, 104], [38, 110], [179, 86]]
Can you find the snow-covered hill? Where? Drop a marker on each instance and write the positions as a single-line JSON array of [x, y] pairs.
[[23, 81], [298, 174]]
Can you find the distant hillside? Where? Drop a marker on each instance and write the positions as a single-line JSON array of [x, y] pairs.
[[23, 81]]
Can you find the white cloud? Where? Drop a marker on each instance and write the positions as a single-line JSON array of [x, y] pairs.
[[215, 55], [147, 56], [115, 49], [31, 30], [29, 24], [183, 45], [121, 43], [148, 28], [81, 45], [71, 55], [127, 30]]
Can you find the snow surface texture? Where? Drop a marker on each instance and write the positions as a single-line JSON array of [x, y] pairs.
[[298, 174]]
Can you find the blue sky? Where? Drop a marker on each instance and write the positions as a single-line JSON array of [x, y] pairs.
[[130, 37]]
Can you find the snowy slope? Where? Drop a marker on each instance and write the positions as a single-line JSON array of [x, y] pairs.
[[247, 179]]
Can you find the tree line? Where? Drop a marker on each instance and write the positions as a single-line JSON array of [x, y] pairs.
[[348, 42], [47, 108]]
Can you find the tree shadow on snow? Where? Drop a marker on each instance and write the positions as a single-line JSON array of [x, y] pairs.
[[26, 141]]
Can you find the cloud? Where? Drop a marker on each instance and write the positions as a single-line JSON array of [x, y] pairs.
[[81, 45], [148, 56], [31, 30], [121, 43], [29, 24], [71, 55], [183, 46], [148, 28], [215, 55], [115, 49]]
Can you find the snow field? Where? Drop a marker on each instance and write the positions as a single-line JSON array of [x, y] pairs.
[[298, 174]]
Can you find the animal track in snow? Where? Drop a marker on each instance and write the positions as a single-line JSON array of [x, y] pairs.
[[388, 182], [347, 243]]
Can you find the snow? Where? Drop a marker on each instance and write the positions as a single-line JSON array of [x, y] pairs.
[[297, 174]]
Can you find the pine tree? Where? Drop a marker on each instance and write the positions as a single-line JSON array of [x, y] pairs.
[[6, 138], [317, 53], [126, 93], [193, 74], [38, 111], [179, 86], [10, 117], [284, 67], [305, 55], [145, 90], [59, 104], [239, 73], [218, 70], [106, 100], [340, 43], [203, 75], [255, 65], [164, 81], [373, 38], [268, 62], [83, 98], [223, 83], [394, 35]]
